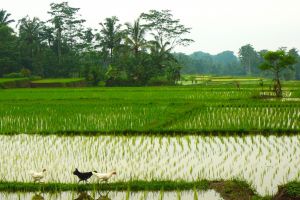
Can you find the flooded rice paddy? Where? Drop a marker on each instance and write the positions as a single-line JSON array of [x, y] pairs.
[[264, 162]]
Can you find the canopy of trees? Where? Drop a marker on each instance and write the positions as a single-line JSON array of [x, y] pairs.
[[137, 53], [226, 63]]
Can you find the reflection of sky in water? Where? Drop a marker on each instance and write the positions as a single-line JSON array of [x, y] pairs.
[[265, 162], [184, 195]]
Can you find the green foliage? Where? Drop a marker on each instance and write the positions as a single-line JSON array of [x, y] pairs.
[[166, 30], [134, 185], [14, 82], [25, 72], [57, 80], [4, 80], [111, 35], [224, 63], [248, 57], [135, 37], [159, 81], [4, 18], [8, 53], [14, 75], [293, 188], [30, 42], [276, 62], [93, 74]]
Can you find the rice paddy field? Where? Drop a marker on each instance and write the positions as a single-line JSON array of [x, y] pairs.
[[265, 162], [181, 133]]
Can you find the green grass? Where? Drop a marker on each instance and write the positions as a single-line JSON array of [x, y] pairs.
[[211, 110], [147, 109], [293, 188], [4, 80], [58, 80], [116, 186], [231, 189]]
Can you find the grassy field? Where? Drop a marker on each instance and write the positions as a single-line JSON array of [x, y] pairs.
[[58, 80], [4, 80], [221, 80]]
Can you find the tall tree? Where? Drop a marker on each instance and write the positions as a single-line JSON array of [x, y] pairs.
[[4, 18], [276, 62], [8, 51], [166, 30], [111, 35], [136, 36], [296, 66], [67, 26], [167, 34], [248, 57], [30, 31]]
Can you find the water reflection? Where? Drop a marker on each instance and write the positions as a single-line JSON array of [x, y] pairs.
[[114, 195], [37, 197], [86, 196], [104, 197]]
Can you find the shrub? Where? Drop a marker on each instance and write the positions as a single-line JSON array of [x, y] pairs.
[[159, 80], [25, 72], [14, 75]]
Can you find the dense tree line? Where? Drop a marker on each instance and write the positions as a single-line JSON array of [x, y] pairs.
[[137, 53], [226, 63]]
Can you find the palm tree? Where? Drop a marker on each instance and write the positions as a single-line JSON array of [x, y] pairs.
[[111, 34], [30, 37], [30, 30], [4, 18], [135, 36], [161, 55]]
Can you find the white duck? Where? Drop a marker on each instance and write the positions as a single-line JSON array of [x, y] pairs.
[[37, 176], [104, 176]]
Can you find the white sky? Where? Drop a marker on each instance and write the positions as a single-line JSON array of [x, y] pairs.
[[217, 25]]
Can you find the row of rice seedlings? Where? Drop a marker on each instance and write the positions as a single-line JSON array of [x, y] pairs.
[[96, 117], [265, 162], [145, 195], [233, 118], [51, 117], [135, 94]]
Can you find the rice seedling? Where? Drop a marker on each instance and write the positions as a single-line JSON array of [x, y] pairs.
[[265, 162]]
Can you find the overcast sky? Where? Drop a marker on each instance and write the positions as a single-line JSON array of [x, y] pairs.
[[217, 25]]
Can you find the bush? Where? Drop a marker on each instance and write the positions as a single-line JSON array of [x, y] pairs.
[[14, 75], [35, 78], [25, 72], [159, 80], [18, 83], [121, 82]]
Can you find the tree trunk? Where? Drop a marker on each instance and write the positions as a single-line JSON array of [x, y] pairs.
[[249, 66], [277, 85], [111, 55], [59, 45]]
